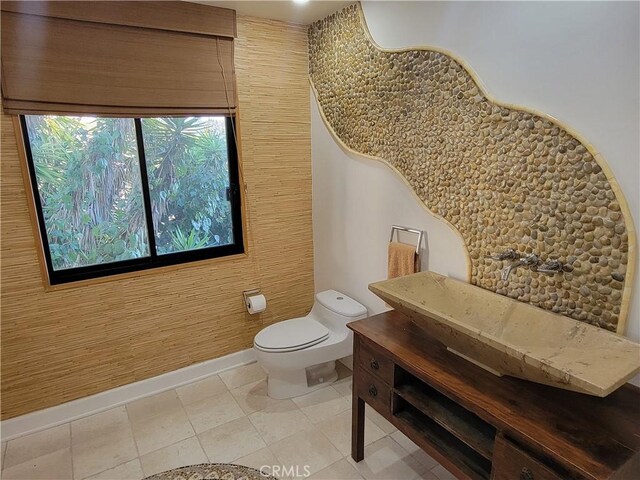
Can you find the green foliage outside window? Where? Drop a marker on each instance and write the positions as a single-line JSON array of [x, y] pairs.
[[90, 188], [188, 175]]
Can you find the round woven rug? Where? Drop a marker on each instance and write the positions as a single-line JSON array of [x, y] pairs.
[[212, 471]]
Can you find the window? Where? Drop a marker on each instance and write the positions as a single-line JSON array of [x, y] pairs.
[[116, 195]]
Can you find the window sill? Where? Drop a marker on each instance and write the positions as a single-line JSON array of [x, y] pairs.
[[144, 273]]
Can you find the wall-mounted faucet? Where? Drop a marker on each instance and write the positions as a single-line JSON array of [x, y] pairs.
[[550, 267], [531, 260]]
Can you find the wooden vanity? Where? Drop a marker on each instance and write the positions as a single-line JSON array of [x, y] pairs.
[[482, 426]]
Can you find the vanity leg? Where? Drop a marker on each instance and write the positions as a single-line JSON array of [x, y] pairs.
[[357, 428]]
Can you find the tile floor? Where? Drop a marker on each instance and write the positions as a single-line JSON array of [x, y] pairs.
[[224, 418]]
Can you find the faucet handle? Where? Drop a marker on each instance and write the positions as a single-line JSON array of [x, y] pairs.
[[550, 267], [508, 254], [531, 260]]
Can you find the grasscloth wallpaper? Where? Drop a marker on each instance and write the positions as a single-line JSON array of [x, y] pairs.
[[64, 344], [502, 176]]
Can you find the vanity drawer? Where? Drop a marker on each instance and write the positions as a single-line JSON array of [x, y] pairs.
[[511, 463], [372, 361], [373, 391]]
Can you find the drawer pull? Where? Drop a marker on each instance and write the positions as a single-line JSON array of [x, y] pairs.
[[525, 474], [374, 364], [373, 391]]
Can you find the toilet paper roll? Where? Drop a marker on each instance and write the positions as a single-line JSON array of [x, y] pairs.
[[256, 304]]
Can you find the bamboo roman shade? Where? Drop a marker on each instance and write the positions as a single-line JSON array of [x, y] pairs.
[[133, 58]]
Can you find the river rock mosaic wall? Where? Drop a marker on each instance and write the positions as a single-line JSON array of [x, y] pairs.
[[503, 177]]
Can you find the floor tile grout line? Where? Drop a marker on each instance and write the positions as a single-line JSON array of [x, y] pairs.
[[331, 443], [153, 417], [244, 414], [172, 445], [115, 466], [286, 436], [139, 456], [314, 425], [320, 421], [247, 383], [387, 435], [110, 468], [337, 461], [184, 407], [167, 446], [203, 449], [315, 430], [256, 428], [29, 459], [135, 442], [222, 424], [182, 402], [236, 398], [195, 433], [73, 473], [152, 396], [251, 453], [270, 451], [409, 454]]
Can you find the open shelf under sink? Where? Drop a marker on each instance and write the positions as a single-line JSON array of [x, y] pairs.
[[459, 422]]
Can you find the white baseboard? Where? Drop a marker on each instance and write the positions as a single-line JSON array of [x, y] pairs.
[[67, 412]]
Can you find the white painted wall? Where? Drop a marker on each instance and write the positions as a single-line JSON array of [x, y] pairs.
[[577, 61], [355, 202]]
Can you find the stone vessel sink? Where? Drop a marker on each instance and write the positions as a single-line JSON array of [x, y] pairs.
[[513, 338]]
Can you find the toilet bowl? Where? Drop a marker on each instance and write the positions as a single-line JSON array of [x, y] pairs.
[[299, 354]]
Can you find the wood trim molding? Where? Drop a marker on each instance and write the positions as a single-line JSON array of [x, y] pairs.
[[20, 107], [26, 178]]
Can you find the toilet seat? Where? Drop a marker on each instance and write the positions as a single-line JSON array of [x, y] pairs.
[[291, 335]]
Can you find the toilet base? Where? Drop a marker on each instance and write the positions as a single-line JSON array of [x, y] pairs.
[[294, 383]]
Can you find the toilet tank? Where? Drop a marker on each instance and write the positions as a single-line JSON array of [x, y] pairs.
[[336, 309]]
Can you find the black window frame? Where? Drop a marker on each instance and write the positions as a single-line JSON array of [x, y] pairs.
[[154, 260]]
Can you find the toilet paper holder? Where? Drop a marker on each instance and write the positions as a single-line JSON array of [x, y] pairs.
[[250, 293]]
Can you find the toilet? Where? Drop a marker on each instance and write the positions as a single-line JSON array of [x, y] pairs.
[[300, 354]]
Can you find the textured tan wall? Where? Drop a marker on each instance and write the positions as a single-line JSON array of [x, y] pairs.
[[501, 176], [65, 344]]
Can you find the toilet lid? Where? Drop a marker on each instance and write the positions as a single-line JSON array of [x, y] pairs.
[[289, 335]]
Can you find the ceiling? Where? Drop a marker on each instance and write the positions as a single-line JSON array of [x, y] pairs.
[[286, 10]]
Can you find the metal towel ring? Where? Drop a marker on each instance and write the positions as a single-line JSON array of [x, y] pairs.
[[397, 228]]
